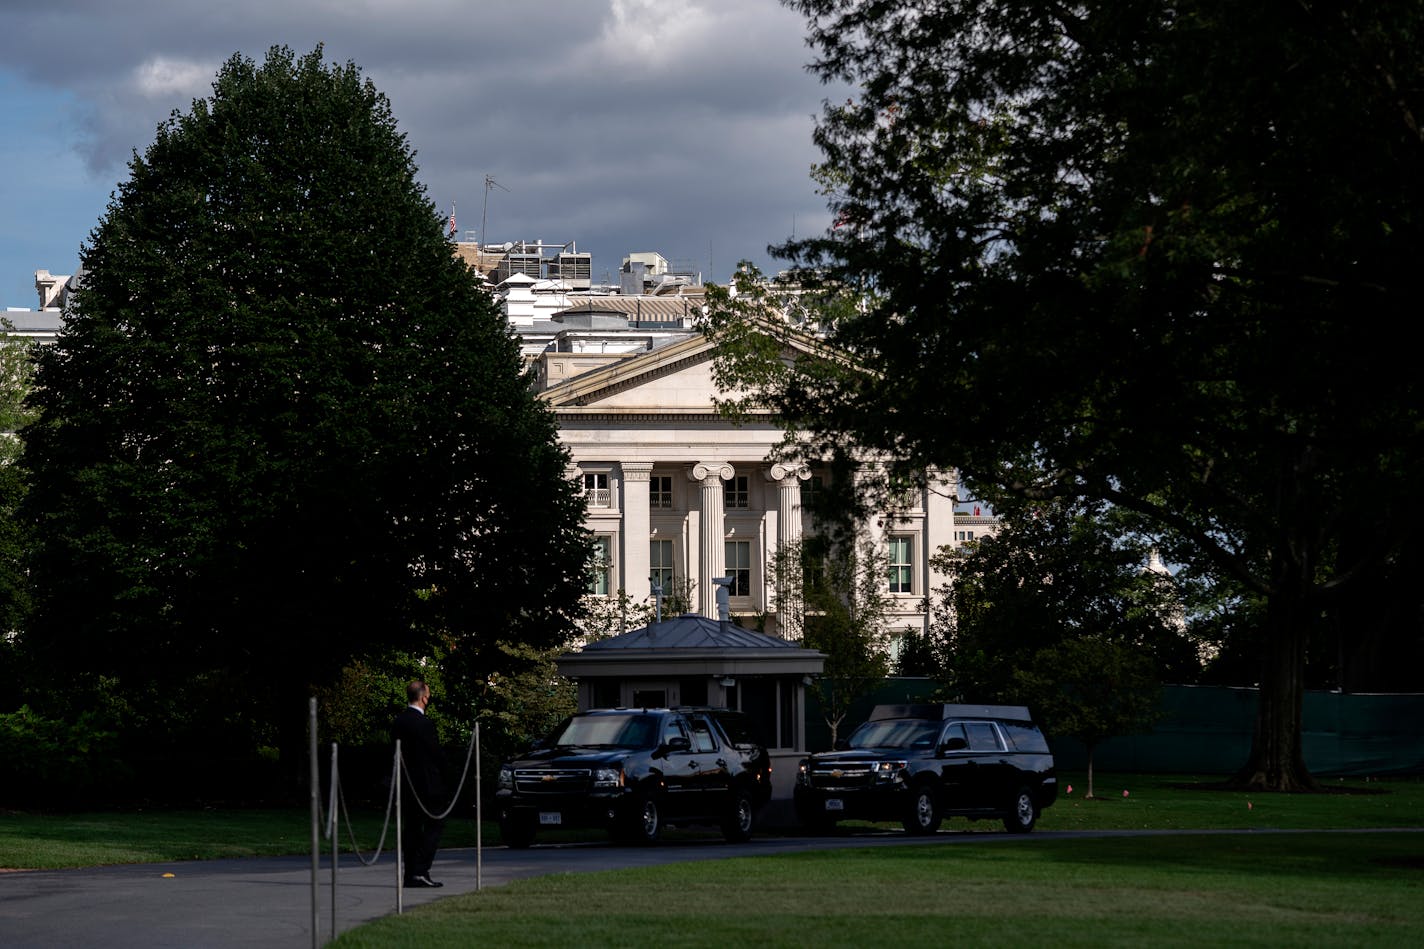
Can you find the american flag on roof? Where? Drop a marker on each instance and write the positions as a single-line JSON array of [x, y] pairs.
[[452, 218]]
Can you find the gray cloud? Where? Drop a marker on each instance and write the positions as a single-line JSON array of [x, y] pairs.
[[674, 125]]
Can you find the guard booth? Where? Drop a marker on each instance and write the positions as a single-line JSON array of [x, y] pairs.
[[693, 660]]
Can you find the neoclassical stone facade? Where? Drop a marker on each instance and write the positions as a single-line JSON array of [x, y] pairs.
[[676, 491]]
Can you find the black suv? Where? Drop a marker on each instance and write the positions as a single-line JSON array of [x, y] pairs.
[[921, 763], [632, 770]]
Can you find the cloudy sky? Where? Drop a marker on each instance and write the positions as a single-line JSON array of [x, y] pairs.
[[679, 126]]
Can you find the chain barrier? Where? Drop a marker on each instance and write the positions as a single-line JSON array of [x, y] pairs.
[[326, 822], [385, 825], [469, 755], [338, 803]]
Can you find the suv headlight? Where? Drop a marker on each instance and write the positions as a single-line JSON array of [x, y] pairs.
[[506, 777], [608, 777], [885, 771], [803, 772]]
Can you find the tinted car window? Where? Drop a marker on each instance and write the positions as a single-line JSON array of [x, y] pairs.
[[1027, 737], [701, 730], [953, 731], [673, 729], [983, 737], [609, 731], [894, 733]]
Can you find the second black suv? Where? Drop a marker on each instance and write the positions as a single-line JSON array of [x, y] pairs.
[[921, 763], [633, 770]]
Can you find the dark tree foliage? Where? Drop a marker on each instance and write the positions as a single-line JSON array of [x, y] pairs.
[[16, 377], [283, 427], [1058, 611], [1156, 253], [16, 374], [1055, 573], [1091, 688]]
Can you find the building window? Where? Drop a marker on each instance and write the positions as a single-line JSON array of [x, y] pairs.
[[739, 567], [901, 572], [735, 493], [660, 565], [810, 488], [600, 566], [660, 491], [595, 489]]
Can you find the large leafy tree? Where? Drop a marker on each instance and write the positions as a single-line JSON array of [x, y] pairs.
[[283, 426], [1055, 572], [16, 374], [1155, 252], [1060, 611]]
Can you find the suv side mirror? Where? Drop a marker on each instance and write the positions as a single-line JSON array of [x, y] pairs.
[[954, 744]]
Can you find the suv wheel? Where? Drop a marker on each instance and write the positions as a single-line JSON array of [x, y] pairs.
[[737, 826], [1023, 814], [923, 816], [645, 822], [516, 834]]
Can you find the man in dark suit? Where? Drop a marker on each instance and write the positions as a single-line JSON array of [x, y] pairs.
[[423, 764]]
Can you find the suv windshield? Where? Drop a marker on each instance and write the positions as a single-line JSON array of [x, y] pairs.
[[895, 733], [609, 731]]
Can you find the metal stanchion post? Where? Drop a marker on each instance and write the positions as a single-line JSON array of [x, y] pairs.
[[400, 870], [333, 828], [315, 818], [479, 818]]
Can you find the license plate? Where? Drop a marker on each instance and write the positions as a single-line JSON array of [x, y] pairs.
[[835, 804], [550, 817]]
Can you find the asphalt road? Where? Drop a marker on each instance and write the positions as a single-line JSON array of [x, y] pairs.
[[226, 904]]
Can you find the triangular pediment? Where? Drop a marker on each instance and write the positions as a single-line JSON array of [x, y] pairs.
[[672, 378], [676, 378]]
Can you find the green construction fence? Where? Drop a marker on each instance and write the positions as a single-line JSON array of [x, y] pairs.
[[1207, 730]]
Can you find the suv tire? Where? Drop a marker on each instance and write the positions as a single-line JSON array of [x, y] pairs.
[[923, 817], [1023, 814], [738, 824], [645, 818]]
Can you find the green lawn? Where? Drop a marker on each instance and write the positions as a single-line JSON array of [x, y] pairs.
[[54, 841], [1256, 888], [1314, 889]]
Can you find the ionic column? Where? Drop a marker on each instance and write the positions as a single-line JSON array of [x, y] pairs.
[[712, 535], [637, 528], [787, 476]]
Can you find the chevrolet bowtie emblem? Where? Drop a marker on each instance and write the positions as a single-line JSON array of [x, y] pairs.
[[548, 777], [837, 773]]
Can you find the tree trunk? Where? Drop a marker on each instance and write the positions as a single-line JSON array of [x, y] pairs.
[[1089, 795], [1277, 761]]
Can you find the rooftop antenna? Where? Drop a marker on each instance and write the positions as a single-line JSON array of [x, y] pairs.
[[489, 183]]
